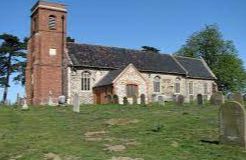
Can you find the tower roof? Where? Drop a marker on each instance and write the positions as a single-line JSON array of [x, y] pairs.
[[49, 5]]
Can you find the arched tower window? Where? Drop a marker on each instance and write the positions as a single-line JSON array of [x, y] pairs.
[[157, 84], [52, 22], [86, 81], [177, 85]]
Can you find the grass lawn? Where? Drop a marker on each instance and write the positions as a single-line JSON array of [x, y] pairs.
[[151, 133]]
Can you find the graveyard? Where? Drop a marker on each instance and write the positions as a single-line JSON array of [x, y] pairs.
[[114, 132]]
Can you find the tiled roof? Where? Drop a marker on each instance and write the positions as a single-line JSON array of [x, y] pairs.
[[85, 55], [115, 58], [109, 78], [195, 68]]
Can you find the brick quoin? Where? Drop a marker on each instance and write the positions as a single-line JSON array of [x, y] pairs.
[[46, 46]]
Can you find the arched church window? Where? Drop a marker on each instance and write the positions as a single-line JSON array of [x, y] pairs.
[[52, 22], [86, 81], [177, 85], [157, 84]]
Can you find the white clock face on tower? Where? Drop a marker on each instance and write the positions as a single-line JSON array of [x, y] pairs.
[[52, 52]]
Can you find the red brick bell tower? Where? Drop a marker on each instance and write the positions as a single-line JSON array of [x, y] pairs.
[[44, 77]]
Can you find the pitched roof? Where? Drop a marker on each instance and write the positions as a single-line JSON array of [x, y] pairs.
[[109, 78], [85, 55], [114, 58], [195, 68]]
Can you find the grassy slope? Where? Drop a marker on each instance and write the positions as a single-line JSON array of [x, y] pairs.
[[57, 129]]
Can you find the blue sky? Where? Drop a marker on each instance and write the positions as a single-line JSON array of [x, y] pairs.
[[164, 24]]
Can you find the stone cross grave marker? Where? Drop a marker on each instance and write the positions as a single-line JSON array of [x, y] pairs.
[[24, 106], [199, 99], [76, 103], [232, 124], [217, 98], [237, 96]]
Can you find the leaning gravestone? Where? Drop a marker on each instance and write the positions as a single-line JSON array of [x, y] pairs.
[[237, 96], [232, 124], [199, 99], [24, 106], [180, 100], [217, 98], [76, 103]]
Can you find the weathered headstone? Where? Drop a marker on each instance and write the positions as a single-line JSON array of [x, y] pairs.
[[217, 98], [191, 98], [161, 100], [153, 97], [61, 100], [229, 96], [199, 99], [232, 124], [180, 100], [109, 99], [18, 99], [115, 99], [134, 99], [142, 98], [24, 106], [76, 103], [125, 101], [237, 96]]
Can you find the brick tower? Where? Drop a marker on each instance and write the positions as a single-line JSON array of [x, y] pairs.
[[44, 76]]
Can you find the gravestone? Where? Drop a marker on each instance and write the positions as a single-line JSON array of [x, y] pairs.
[[125, 101], [180, 100], [61, 100], [229, 97], [109, 99], [199, 99], [24, 106], [244, 97], [116, 99], [161, 100], [76, 103], [134, 100], [232, 124], [153, 97], [217, 98], [237, 96], [142, 97]]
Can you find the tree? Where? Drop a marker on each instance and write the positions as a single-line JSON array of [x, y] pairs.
[[220, 55], [150, 49], [70, 39], [12, 60]]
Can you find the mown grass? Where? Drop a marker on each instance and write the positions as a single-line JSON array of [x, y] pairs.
[[163, 133]]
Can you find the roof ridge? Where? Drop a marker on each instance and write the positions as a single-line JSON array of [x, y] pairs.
[[199, 59], [130, 49], [180, 65]]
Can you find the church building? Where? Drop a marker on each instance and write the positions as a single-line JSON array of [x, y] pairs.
[[93, 72]]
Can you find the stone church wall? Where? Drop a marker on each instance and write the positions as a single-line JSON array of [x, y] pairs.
[[167, 86], [86, 97]]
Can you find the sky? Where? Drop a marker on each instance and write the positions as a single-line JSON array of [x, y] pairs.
[[164, 24]]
